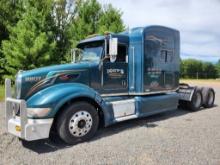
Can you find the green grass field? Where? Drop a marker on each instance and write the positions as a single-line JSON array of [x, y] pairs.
[[206, 82], [2, 92], [201, 80]]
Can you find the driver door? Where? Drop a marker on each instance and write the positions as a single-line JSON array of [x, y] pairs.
[[115, 74]]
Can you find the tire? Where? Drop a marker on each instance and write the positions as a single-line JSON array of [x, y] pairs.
[[210, 99], [182, 104], [196, 101], [78, 122]]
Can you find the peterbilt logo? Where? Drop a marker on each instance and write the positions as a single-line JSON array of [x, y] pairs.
[[32, 79]]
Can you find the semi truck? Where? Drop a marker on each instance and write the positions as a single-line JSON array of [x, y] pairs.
[[112, 78]]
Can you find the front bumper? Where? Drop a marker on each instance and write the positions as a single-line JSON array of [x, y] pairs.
[[21, 126]]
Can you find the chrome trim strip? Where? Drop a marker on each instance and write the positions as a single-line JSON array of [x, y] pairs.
[[102, 76], [115, 94], [135, 93], [133, 68], [7, 88], [115, 89], [157, 92], [7, 94], [119, 119], [105, 47], [102, 66]]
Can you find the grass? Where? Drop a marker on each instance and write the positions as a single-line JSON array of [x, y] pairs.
[[205, 80], [202, 82], [2, 92]]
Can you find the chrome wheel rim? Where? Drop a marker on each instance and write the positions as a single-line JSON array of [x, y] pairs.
[[80, 123]]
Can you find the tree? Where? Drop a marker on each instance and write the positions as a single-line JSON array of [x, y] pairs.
[[110, 20], [182, 69], [218, 68], [8, 19], [92, 18], [85, 21], [192, 68], [47, 30], [209, 70], [63, 12], [31, 43]]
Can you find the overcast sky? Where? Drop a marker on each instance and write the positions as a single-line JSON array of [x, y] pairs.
[[197, 20]]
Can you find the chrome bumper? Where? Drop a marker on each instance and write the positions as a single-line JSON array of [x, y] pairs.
[[21, 126]]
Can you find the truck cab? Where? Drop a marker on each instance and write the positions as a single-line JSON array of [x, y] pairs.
[[110, 76], [113, 78]]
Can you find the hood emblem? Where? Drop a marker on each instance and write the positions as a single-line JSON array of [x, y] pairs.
[[33, 79]]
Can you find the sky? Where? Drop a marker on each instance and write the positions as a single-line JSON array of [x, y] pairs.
[[197, 20]]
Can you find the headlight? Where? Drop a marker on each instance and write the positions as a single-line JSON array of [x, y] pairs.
[[18, 83], [38, 112]]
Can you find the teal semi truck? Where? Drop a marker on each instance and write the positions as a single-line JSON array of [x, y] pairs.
[[113, 78]]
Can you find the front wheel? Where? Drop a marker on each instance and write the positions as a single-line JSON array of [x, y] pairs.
[[77, 123]]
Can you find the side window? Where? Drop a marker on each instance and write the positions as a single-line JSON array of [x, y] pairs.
[[152, 52], [167, 50], [122, 52], [166, 56]]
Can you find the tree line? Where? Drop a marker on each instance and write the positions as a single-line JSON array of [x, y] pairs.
[[36, 33], [196, 69]]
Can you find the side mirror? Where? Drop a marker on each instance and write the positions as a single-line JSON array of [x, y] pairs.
[[73, 55], [76, 55], [113, 49], [113, 46]]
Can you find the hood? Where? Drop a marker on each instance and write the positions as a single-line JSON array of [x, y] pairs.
[[37, 79]]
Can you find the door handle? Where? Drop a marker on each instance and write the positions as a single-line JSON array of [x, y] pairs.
[[124, 83]]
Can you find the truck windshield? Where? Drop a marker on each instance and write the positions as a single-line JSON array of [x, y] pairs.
[[91, 52]]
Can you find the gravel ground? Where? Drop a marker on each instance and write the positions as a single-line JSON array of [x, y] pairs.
[[175, 137]]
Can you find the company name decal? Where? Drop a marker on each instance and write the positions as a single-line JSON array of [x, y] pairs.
[[115, 73], [109, 71]]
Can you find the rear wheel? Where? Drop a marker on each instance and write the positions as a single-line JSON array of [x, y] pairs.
[[209, 102], [196, 101], [77, 123]]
